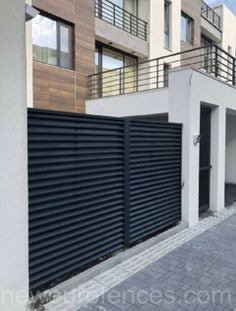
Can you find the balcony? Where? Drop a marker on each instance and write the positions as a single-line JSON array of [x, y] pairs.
[[154, 74], [211, 16], [120, 18]]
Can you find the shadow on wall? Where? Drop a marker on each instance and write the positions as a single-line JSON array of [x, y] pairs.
[[230, 176], [230, 194]]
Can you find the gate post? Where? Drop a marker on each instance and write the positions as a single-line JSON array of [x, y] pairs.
[[185, 108], [14, 281], [218, 138], [127, 182]]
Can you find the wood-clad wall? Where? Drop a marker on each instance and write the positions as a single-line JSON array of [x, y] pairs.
[[62, 89], [193, 9]]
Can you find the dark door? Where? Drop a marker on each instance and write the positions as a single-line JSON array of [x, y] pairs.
[[205, 158]]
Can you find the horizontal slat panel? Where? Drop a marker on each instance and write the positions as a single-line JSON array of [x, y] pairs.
[[77, 182], [155, 177], [76, 192]]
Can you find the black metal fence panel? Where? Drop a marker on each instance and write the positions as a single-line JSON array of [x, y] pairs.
[[155, 177], [96, 185]]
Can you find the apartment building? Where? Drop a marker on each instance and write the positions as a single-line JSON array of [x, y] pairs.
[[62, 38], [100, 56], [70, 40]]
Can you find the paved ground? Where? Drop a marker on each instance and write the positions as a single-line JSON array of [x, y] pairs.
[[230, 194], [199, 275]]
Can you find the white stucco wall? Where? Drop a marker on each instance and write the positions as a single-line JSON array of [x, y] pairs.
[[157, 28], [230, 175], [219, 96], [29, 57], [188, 90], [229, 27], [185, 109], [136, 104], [14, 281]]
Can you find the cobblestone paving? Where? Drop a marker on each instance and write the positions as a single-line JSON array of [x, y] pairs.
[[199, 275]]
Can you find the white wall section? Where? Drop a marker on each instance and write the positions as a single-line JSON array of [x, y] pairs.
[[14, 282], [185, 109], [135, 104], [156, 25], [217, 178], [29, 57], [228, 27]]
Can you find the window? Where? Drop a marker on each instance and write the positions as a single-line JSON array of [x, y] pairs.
[[186, 29], [120, 3], [131, 6], [114, 81], [108, 58], [52, 42], [167, 10], [111, 59]]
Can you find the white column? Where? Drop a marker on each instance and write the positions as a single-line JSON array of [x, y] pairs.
[[184, 108], [218, 145], [14, 281], [29, 61]]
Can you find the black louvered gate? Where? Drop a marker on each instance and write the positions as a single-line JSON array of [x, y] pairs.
[[155, 177], [96, 186]]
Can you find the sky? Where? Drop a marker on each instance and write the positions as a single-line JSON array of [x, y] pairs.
[[230, 3]]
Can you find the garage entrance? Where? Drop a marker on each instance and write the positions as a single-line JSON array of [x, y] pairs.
[[205, 160]]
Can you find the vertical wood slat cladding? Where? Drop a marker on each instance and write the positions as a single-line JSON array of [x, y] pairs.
[[85, 49], [54, 88], [64, 9], [57, 88], [193, 9]]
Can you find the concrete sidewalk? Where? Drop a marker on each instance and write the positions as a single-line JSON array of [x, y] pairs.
[[193, 270]]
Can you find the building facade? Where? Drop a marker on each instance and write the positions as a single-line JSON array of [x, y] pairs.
[[99, 57], [63, 40], [102, 35], [70, 40], [191, 81]]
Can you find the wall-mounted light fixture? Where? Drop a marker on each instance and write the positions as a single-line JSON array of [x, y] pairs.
[[196, 139]]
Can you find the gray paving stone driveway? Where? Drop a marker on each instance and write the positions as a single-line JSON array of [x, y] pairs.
[[199, 275]]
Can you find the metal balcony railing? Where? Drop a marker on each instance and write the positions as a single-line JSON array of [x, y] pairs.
[[211, 16], [154, 74], [115, 15]]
